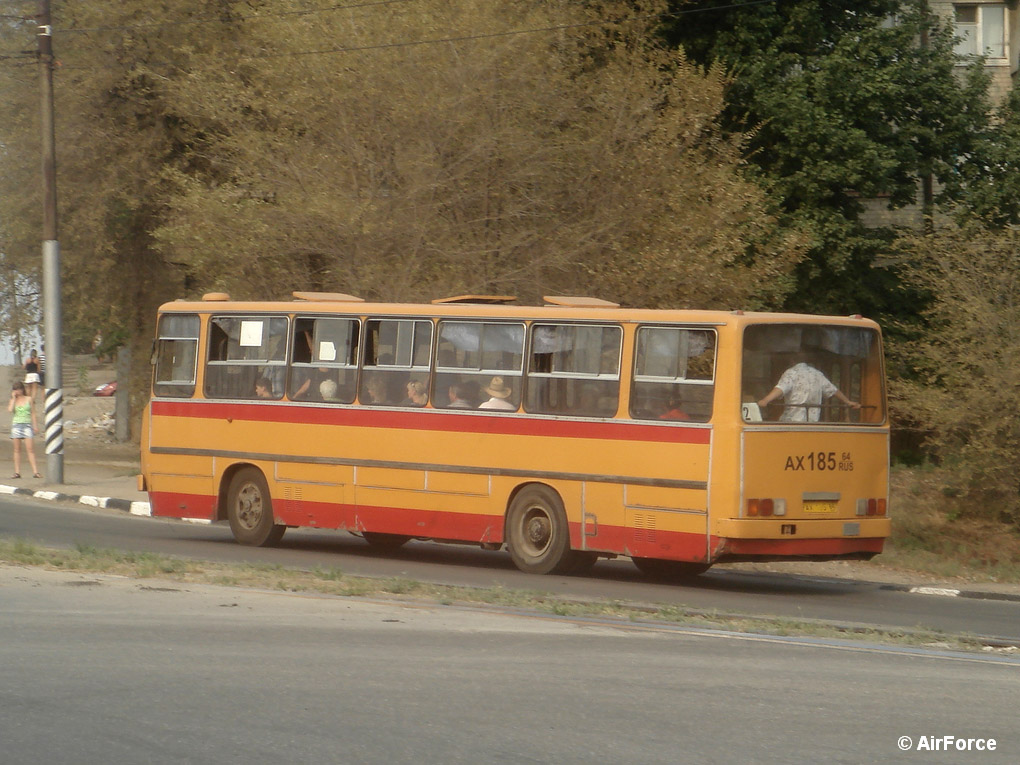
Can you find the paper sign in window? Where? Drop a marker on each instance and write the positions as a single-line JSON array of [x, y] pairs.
[[327, 351], [251, 334]]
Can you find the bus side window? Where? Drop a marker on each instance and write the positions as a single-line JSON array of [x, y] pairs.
[[244, 350], [397, 354], [176, 356], [674, 372], [324, 359], [471, 355], [573, 369]]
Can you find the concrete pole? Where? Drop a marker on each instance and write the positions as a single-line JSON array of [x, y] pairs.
[[52, 322]]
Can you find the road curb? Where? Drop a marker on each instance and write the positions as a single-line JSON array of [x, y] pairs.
[[949, 592], [108, 503], [144, 509]]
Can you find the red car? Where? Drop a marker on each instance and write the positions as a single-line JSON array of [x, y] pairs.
[[106, 389]]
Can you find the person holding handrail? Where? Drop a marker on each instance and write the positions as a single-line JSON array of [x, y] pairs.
[[803, 389]]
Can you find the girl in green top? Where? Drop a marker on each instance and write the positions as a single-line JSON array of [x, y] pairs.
[[23, 425]]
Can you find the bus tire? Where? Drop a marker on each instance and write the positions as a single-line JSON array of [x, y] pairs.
[[250, 510], [580, 563], [536, 532], [669, 570], [385, 541]]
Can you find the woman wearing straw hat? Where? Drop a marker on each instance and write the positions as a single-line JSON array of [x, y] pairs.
[[500, 393]]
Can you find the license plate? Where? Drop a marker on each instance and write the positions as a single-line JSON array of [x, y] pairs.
[[817, 506]]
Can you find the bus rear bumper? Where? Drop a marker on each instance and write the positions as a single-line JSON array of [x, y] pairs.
[[763, 540]]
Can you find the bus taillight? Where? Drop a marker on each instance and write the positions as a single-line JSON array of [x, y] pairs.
[[766, 507], [871, 506]]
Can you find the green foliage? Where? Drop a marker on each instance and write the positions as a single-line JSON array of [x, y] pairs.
[[842, 105], [964, 363], [989, 189]]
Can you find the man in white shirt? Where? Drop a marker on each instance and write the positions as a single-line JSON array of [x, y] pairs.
[[500, 393], [803, 389]]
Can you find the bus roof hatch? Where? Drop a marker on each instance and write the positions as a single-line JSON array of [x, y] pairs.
[[578, 302], [327, 297], [488, 299]]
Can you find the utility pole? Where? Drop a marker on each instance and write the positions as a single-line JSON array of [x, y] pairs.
[[54, 414]]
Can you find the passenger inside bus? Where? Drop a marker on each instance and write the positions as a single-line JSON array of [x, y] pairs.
[[263, 388], [499, 395], [803, 390], [457, 396], [309, 381], [375, 389], [417, 394], [674, 410]]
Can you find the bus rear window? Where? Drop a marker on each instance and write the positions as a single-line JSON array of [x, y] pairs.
[[808, 373]]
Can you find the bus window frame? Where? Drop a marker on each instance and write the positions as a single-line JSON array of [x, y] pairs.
[[579, 377], [673, 382], [276, 365], [413, 372], [185, 385], [311, 365], [481, 376]]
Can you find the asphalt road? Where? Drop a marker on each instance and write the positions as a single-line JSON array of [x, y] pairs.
[[764, 594], [111, 670]]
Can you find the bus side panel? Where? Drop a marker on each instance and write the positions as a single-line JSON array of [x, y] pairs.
[[306, 494], [179, 485]]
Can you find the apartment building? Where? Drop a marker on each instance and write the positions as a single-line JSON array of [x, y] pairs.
[[987, 29]]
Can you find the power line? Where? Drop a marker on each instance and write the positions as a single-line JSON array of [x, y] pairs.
[[330, 8], [407, 43], [491, 35], [221, 20]]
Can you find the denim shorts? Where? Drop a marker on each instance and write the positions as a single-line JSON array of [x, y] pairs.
[[21, 430]]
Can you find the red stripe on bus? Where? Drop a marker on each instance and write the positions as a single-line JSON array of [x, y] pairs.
[[431, 419], [166, 504]]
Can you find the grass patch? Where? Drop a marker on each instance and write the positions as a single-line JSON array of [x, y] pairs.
[[332, 581]]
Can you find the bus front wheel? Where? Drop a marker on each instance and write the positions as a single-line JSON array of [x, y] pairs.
[[250, 510], [537, 534]]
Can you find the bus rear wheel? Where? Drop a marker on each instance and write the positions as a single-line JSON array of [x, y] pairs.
[[385, 541], [669, 570], [250, 510], [537, 534]]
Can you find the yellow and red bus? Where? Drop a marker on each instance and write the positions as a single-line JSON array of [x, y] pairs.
[[565, 432]]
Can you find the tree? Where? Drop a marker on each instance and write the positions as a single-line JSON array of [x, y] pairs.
[[524, 163], [965, 361], [845, 101], [19, 305], [259, 147], [988, 188]]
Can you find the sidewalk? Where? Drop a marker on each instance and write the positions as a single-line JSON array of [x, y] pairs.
[[101, 475]]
